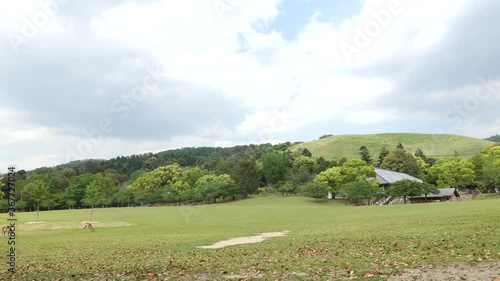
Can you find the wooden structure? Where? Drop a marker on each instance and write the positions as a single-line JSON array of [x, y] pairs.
[[444, 195]]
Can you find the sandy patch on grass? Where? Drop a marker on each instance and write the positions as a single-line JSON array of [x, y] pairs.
[[31, 226], [455, 272], [245, 240]]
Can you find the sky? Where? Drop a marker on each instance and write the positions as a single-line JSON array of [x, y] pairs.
[[101, 79]]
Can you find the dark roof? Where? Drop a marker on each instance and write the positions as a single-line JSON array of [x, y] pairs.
[[388, 177], [443, 192]]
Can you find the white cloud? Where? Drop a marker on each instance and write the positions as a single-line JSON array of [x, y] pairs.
[[12, 12], [427, 37], [282, 85], [481, 129], [269, 75], [26, 135], [24, 21], [390, 27], [371, 116]]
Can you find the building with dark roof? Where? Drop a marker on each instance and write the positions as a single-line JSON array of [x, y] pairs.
[[444, 195], [386, 177]]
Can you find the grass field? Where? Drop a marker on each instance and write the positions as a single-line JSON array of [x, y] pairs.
[[325, 242], [433, 145]]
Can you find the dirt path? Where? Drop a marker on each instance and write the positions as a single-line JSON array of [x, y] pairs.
[[245, 240]]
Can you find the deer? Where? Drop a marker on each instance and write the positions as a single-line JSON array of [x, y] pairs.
[[5, 229], [88, 225]]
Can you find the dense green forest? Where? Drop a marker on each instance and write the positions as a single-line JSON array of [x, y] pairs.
[[213, 174]]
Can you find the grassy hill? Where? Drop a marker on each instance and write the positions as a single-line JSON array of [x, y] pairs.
[[433, 145]]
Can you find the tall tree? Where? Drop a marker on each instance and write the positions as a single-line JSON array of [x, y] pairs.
[[76, 188], [306, 152], [222, 167], [158, 179], [123, 197], [491, 175], [287, 187], [492, 151], [405, 188], [247, 176], [365, 155], [351, 171], [400, 161], [383, 153], [166, 175], [419, 153], [495, 138], [4, 190], [333, 178], [452, 172], [428, 161], [151, 164], [192, 175], [487, 167], [478, 161], [99, 191], [274, 166], [93, 196], [314, 189], [342, 161], [358, 191], [49, 203], [35, 192], [303, 163], [213, 186], [323, 164]]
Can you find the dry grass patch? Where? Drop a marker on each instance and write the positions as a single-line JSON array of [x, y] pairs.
[[34, 226], [455, 272]]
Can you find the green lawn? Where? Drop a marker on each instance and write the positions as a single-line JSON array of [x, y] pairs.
[[433, 145], [326, 241]]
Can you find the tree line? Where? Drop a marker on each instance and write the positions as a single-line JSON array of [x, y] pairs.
[[494, 138], [209, 175]]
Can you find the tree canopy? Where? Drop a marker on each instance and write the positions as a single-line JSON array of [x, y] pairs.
[[495, 138], [451, 172], [353, 170], [383, 153], [405, 188], [247, 176], [274, 166], [358, 190], [400, 161], [365, 155], [171, 176], [314, 189]]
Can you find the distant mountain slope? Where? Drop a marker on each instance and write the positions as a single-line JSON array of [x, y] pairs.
[[433, 145]]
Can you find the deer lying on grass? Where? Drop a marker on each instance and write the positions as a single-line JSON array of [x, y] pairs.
[[88, 225], [5, 229]]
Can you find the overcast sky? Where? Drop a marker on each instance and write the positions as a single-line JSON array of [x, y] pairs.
[[82, 79]]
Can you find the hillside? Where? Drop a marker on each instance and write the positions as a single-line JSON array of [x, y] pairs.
[[433, 145]]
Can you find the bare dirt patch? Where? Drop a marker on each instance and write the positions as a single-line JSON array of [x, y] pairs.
[[486, 271], [33, 226], [245, 240]]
